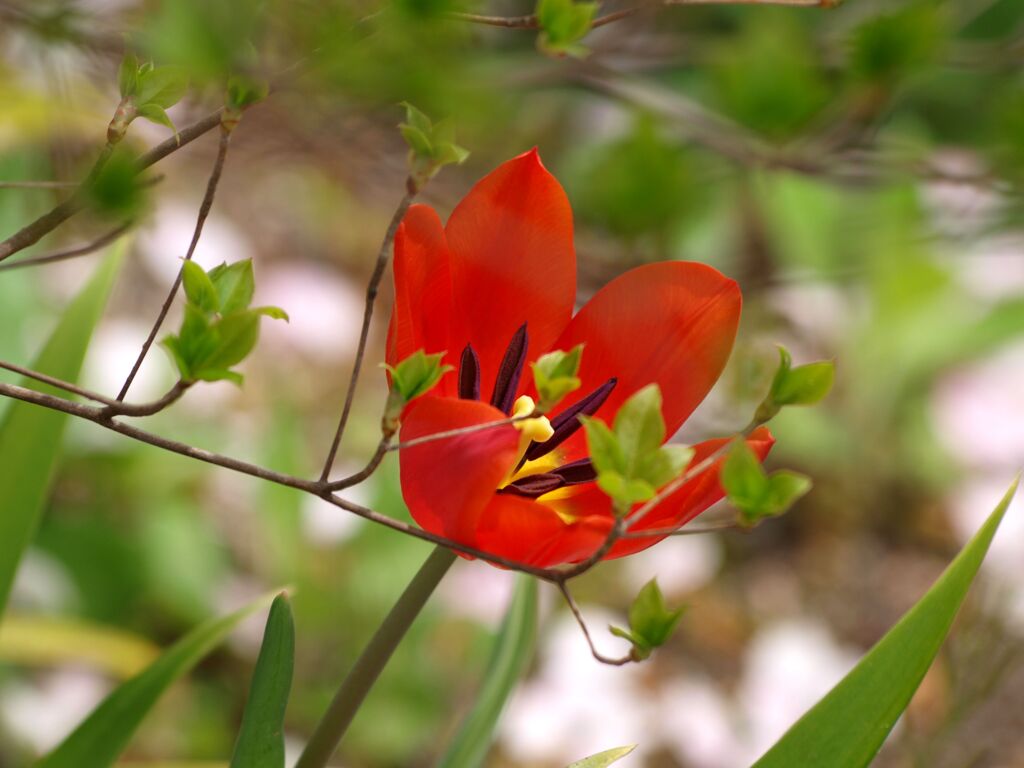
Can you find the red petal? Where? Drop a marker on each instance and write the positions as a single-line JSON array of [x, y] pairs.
[[447, 483], [694, 497], [420, 316], [532, 533], [512, 262], [671, 323]]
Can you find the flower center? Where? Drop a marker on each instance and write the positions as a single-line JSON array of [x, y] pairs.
[[539, 471]]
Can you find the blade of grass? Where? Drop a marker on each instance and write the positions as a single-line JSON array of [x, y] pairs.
[[261, 738], [101, 738], [30, 437], [848, 726], [510, 657]]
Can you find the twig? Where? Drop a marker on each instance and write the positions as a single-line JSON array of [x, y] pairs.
[[364, 333], [112, 407], [615, 662], [204, 211], [531, 21], [71, 253], [456, 432], [95, 414], [652, 532], [371, 466], [32, 233]]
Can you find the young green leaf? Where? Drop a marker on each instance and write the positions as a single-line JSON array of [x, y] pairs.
[[564, 23], [803, 385], [199, 288], [244, 91], [603, 759], [161, 86], [847, 727], [260, 741], [753, 492], [639, 426], [510, 657], [555, 376], [30, 436], [235, 284], [417, 374], [128, 75], [156, 114], [103, 736], [236, 334], [431, 145], [651, 623]]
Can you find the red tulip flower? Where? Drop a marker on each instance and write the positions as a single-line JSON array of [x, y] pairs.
[[495, 289]]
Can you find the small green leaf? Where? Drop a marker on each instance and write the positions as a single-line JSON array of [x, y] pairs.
[[235, 284], [103, 736], [603, 446], [417, 140], [417, 374], [162, 86], [847, 727], [431, 145], [509, 661], [199, 288], [156, 114], [603, 759], [236, 336], [261, 738], [665, 465], [626, 491], [220, 374], [804, 385], [416, 119], [244, 91], [275, 313], [754, 493], [650, 618], [128, 74], [639, 426], [554, 376], [564, 23]]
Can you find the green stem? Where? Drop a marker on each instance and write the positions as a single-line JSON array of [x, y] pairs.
[[367, 669]]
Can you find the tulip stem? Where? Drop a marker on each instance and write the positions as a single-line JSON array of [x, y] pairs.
[[331, 728]]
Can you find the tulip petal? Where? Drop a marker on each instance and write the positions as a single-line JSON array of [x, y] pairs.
[[512, 262], [671, 323], [421, 312], [533, 533], [447, 483]]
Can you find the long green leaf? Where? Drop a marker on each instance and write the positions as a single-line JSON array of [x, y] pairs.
[[261, 738], [603, 759], [30, 436], [847, 727], [512, 652], [101, 738]]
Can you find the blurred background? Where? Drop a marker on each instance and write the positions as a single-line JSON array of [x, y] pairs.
[[858, 170]]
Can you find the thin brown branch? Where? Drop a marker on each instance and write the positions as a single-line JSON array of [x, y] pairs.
[[531, 21], [457, 432], [371, 297], [96, 415], [371, 466], [699, 531], [32, 233], [70, 253], [614, 662], [112, 407], [204, 212]]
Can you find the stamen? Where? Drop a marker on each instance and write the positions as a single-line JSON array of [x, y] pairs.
[[567, 422], [532, 486], [538, 428], [507, 381], [469, 374]]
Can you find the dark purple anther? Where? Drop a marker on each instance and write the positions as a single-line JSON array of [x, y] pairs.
[[567, 422], [507, 382], [469, 374], [574, 473]]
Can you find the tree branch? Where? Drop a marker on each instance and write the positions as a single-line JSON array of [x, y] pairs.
[[32, 233], [204, 212], [364, 333], [71, 253], [614, 662]]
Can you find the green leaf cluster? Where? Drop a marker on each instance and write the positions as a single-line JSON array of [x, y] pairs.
[[631, 462], [219, 328], [651, 622], [755, 493], [151, 90], [563, 24], [555, 376], [431, 144], [803, 385], [414, 376]]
